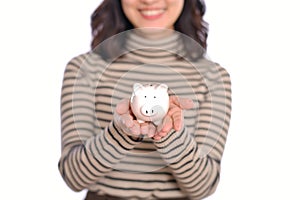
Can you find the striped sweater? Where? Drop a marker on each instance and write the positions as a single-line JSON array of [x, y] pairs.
[[97, 156]]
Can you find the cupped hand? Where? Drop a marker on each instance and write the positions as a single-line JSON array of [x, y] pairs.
[[126, 121], [175, 117]]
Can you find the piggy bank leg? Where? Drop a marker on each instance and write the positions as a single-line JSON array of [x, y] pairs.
[[140, 121]]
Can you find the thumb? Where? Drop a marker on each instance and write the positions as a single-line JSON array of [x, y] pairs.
[[122, 107], [183, 103], [186, 103]]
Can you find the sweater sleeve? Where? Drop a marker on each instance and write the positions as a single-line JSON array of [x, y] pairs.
[[195, 157], [88, 151]]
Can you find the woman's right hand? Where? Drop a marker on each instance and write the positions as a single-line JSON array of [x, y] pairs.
[[126, 121]]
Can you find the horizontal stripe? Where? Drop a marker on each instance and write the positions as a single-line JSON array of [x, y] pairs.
[[94, 149]]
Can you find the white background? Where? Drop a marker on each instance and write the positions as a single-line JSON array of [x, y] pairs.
[[257, 41]]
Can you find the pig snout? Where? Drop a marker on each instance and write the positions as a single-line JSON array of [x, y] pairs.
[[150, 111]]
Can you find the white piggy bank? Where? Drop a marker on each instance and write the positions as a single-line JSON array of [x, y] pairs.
[[150, 102]]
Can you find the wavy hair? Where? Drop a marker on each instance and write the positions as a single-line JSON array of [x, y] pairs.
[[109, 19]]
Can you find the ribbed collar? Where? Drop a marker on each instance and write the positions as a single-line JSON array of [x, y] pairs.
[[160, 49]]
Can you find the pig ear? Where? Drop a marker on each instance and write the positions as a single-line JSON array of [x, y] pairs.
[[137, 87], [163, 86]]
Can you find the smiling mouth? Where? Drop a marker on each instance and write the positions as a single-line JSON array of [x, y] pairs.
[[151, 13]]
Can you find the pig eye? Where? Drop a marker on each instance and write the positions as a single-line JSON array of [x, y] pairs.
[[154, 97], [145, 96]]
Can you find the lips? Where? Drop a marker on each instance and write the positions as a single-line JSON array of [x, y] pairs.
[[151, 13]]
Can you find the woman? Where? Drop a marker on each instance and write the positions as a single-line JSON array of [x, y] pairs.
[[104, 148]]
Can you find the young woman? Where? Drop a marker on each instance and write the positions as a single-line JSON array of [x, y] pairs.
[[105, 150]]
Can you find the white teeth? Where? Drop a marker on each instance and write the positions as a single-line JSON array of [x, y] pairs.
[[151, 12]]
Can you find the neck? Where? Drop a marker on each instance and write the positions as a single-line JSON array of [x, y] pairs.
[[153, 33]]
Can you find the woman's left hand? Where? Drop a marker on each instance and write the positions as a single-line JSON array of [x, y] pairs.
[[174, 118]]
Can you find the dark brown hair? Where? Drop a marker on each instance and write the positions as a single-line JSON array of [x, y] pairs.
[[109, 19]]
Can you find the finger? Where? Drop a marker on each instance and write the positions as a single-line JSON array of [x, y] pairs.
[[177, 118], [135, 129], [163, 134], [144, 128], [166, 125], [156, 137], [183, 103], [152, 130], [186, 103], [123, 106], [127, 120], [174, 108]]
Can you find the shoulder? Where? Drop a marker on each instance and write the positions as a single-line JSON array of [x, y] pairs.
[[81, 58], [210, 68], [222, 70], [76, 60], [84, 60]]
